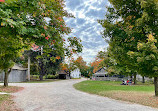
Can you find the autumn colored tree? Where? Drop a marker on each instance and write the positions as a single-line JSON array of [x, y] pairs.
[[82, 65], [96, 64], [107, 61], [68, 67]]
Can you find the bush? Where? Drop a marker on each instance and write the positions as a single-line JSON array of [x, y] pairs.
[[34, 77], [49, 76]]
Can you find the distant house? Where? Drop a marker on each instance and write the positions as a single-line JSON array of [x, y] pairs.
[[102, 75], [17, 74], [75, 73], [140, 78], [63, 74]]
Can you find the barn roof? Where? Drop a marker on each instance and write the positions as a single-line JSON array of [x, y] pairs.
[[101, 71], [62, 72], [17, 67]]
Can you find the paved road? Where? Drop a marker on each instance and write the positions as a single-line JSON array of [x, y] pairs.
[[61, 96]]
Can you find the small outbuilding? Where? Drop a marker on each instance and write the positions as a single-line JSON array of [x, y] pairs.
[[17, 74], [63, 74]]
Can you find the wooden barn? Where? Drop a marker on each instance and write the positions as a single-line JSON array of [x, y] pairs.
[[63, 74]]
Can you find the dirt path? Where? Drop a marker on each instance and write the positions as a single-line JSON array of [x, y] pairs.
[[61, 96]]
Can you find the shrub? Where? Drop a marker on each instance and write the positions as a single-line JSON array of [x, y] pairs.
[[34, 77], [49, 76]]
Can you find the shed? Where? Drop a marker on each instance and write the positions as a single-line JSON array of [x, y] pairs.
[[17, 74], [63, 74]]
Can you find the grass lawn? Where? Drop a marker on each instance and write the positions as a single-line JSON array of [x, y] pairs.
[[4, 97], [6, 102], [141, 93]]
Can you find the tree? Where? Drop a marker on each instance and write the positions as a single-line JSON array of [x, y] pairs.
[[110, 63], [45, 27], [68, 67], [107, 61], [10, 40], [82, 65], [147, 57], [95, 64], [128, 23], [8, 52]]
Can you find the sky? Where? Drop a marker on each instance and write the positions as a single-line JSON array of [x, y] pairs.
[[85, 25]]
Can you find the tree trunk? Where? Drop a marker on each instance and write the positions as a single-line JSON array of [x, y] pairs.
[[29, 68], [41, 70], [6, 77], [143, 79], [156, 85], [41, 74], [41, 77], [135, 78]]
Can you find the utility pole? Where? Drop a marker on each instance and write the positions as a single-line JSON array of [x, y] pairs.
[[28, 68], [41, 50]]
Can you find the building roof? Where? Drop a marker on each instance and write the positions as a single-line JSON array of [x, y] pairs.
[[62, 72], [101, 71], [17, 67]]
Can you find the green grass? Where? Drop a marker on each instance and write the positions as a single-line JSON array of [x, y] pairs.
[[140, 93], [4, 97], [7, 104], [95, 87]]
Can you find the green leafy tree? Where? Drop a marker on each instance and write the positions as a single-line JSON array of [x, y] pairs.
[[8, 52], [10, 39], [147, 57], [126, 24], [107, 61], [23, 27]]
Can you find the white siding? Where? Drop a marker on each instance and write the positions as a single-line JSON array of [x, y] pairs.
[[76, 73]]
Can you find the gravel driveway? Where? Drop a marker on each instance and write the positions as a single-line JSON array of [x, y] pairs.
[[61, 96]]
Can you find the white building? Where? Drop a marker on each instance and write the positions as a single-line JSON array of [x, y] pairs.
[[75, 73]]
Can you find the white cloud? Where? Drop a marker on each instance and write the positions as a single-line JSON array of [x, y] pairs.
[[90, 54], [85, 25]]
